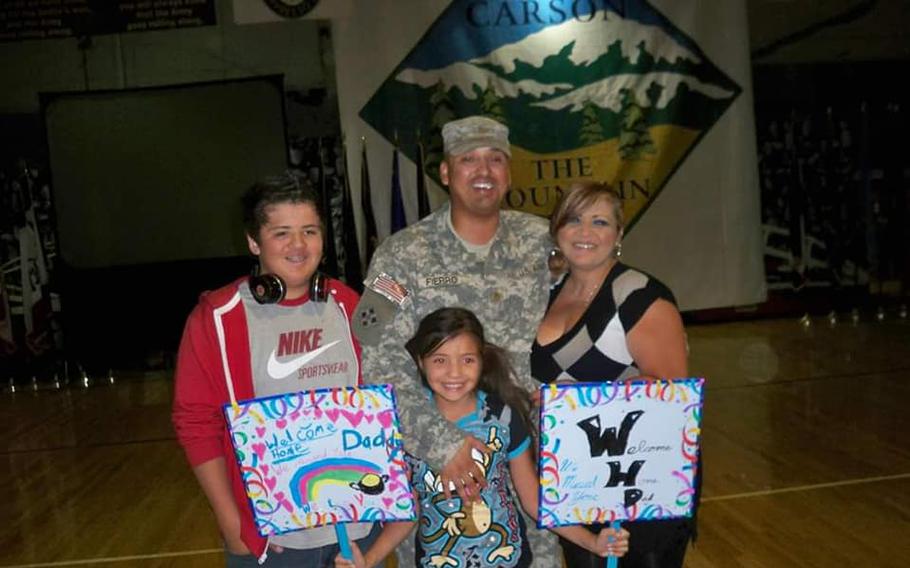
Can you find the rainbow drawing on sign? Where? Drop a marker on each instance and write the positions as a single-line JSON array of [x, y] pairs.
[[346, 472]]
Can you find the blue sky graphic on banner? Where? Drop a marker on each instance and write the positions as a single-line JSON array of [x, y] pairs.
[[590, 89]]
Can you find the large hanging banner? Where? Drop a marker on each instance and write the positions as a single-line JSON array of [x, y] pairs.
[[321, 457], [589, 90], [653, 97], [618, 451]]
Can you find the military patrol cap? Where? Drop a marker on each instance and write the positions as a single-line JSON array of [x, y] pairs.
[[466, 134]]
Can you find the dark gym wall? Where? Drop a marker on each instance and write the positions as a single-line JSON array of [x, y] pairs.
[[153, 175], [146, 186]]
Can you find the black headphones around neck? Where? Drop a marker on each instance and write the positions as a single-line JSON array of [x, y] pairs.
[[271, 289]]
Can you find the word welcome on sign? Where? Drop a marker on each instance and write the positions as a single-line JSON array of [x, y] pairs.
[[618, 451]]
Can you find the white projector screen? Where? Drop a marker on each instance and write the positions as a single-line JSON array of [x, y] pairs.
[[155, 175]]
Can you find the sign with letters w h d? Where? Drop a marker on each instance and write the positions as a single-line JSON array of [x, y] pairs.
[[618, 451]]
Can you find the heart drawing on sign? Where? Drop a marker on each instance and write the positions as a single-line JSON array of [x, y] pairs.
[[260, 450], [353, 417]]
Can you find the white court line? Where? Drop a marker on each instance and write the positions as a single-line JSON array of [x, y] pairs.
[[806, 487], [704, 500]]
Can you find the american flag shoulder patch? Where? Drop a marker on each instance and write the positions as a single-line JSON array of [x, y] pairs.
[[384, 284]]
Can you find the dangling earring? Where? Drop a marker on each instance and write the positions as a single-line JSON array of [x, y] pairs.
[[618, 249], [556, 262]]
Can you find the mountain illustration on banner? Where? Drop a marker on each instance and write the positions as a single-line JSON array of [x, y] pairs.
[[588, 91]]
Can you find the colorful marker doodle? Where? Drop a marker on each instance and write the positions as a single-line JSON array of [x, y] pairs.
[[618, 451], [346, 472], [321, 457]]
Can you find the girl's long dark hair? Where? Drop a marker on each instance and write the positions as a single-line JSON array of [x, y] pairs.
[[497, 375]]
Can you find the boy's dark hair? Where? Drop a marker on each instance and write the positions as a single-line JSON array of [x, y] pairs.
[[288, 187], [497, 375]]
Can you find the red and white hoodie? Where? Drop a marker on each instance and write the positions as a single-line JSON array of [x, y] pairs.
[[235, 349]]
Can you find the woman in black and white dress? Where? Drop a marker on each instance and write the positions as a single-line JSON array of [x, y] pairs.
[[607, 321]]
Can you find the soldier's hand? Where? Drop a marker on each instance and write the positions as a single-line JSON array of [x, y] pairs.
[[463, 472]]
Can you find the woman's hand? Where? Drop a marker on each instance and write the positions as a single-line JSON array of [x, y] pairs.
[[463, 472], [357, 562], [611, 542]]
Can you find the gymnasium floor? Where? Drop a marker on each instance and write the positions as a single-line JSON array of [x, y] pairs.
[[806, 447]]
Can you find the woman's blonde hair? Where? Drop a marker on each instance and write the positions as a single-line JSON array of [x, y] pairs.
[[578, 197]]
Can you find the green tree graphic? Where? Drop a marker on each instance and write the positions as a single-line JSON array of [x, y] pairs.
[[591, 131], [442, 113], [490, 105], [634, 138]]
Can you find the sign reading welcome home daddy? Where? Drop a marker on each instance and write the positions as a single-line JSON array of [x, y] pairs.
[[618, 451], [591, 90], [321, 457]]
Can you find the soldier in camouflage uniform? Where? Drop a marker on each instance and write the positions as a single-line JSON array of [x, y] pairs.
[[472, 254]]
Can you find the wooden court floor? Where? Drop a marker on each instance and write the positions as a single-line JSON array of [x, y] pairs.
[[806, 447]]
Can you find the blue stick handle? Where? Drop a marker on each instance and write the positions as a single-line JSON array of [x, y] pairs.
[[613, 561], [343, 543]]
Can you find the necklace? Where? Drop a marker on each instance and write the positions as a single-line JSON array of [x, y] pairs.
[[586, 297], [590, 295]]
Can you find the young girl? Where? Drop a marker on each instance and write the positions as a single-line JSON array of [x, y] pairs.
[[472, 386]]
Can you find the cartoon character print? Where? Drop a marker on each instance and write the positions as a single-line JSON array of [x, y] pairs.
[[472, 520]]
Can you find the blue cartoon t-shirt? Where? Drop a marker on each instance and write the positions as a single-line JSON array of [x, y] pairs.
[[490, 532]]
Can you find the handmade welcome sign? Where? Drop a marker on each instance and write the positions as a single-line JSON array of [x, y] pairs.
[[618, 451], [321, 457]]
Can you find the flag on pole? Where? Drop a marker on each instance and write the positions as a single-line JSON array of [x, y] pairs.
[[353, 270], [36, 305], [33, 271], [398, 221], [423, 200], [330, 262], [366, 203], [7, 340]]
